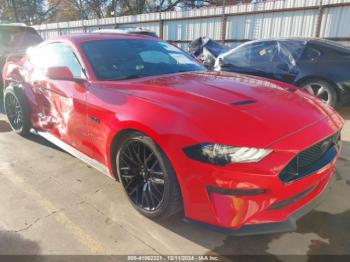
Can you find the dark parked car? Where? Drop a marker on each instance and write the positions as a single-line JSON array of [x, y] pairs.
[[15, 39], [322, 67]]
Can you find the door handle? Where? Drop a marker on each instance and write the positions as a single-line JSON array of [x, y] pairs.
[[95, 119], [38, 82]]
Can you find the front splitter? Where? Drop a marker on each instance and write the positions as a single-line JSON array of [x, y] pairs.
[[270, 228]]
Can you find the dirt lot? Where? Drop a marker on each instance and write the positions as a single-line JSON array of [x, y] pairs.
[[51, 203]]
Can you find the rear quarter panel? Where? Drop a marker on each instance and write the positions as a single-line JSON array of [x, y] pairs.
[[335, 71]]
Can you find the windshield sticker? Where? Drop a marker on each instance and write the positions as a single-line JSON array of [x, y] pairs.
[[181, 59], [262, 52], [168, 47]]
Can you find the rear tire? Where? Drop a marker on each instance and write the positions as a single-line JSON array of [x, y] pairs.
[[147, 176], [323, 90], [1, 91], [17, 110]]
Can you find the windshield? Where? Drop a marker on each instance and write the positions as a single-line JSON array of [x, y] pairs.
[[251, 54], [17, 38], [119, 59]]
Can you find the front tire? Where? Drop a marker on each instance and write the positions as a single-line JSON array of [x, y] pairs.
[[17, 111], [323, 90], [147, 177]]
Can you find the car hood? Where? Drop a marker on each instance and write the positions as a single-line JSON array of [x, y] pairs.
[[232, 108]]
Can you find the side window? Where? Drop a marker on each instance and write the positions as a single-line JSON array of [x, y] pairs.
[[71, 61], [56, 54], [251, 54], [263, 52], [240, 57], [311, 53], [5, 39], [38, 57]]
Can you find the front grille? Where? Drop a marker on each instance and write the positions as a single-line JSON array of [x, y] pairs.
[[311, 159]]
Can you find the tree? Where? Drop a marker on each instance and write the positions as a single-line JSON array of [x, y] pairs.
[[194, 4], [145, 6], [66, 10], [98, 8], [25, 11], [38, 11]]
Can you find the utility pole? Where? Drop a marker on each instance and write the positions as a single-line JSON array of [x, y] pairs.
[[15, 10], [224, 23], [319, 19], [113, 8]]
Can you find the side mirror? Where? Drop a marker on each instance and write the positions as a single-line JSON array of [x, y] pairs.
[[60, 73]]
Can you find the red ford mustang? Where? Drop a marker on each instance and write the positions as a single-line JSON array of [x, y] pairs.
[[239, 154]]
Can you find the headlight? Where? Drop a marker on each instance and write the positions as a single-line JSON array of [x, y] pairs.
[[222, 155]]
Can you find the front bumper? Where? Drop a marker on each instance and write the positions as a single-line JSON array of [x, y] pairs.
[[267, 203], [275, 227]]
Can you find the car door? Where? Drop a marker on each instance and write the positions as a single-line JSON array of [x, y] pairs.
[[61, 104], [255, 59]]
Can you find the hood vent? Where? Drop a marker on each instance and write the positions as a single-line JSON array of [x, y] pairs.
[[244, 102]]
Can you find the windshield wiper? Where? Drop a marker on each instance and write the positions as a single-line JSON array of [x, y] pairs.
[[127, 77], [181, 71]]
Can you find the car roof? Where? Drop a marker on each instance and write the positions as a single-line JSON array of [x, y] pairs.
[[304, 40], [16, 26], [293, 39], [133, 30], [122, 30], [89, 37]]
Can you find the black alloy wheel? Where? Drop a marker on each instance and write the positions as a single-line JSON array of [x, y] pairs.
[[147, 177], [142, 175], [14, 112], [17, 111]]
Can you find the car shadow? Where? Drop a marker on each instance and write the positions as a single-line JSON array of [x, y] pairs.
[[330, 232], [5, 126], [12, 243], [40, 140], [345, 112], [335, 228]]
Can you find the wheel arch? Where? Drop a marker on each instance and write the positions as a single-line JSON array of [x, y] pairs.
[[117, 135], [129, 127], [170, 138], [303, 80], [21, 97], [25, 90], [173, 197], [18, 90]]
